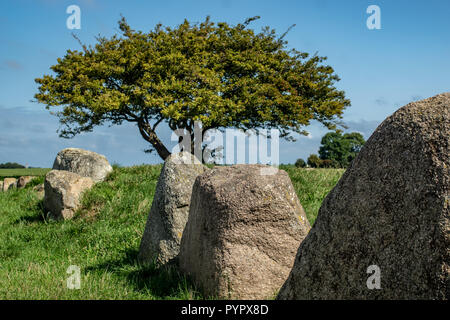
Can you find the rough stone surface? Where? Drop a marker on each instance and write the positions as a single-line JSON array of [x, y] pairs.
[[243, 231], [83, 162], [63, 190], [1, 186], [390, 209], [170, 208], [9, 183], [40, 189], [23, 181]]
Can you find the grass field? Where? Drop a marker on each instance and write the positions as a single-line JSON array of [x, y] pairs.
[[15, 173], [312, 185], [103, 240]]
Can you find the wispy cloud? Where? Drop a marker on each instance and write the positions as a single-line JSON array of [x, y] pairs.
[[13, 65], [29, 136], [381, 101], [365, 127]]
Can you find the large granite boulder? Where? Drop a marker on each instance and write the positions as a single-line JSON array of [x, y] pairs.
[[9, 183], [170, 208], [63, 190], [384, 232], [243, 232], [23, 181], [83, 162]]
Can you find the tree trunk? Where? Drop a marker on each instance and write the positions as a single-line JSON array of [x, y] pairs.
[[150, 136]]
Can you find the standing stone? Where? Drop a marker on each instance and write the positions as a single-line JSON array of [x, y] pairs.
[[388, 216], [170, 208], [243, 231], [23, 181], [1, 186], [63, 190], [9, 183], [83, 162]]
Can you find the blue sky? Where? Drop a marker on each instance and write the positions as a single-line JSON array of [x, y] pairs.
[[380, 70]]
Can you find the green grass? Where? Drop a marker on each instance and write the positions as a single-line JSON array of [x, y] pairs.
[[312, 186], [16, 173], [103, 240]]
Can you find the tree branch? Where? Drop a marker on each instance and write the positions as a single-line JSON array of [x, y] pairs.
[[150, 136]]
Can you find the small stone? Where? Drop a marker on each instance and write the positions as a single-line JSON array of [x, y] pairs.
[[23, 181], [83, 162], [9, 183], [63, 191]]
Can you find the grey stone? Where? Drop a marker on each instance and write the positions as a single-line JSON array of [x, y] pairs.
[[23, 181], [63, 191], [83, 162], [170, 208], [9, 183], [245, 225], [40, 190], [390, 209]]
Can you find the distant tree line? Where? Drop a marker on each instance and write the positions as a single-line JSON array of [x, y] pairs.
[[11, 165], [337, 150]]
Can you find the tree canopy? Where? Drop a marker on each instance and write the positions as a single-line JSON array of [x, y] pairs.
[[300, 163], [314, 161], [11, 165], [341, 148], [222, 75]]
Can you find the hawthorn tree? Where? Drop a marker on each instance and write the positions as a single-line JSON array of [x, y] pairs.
[[221, 75]]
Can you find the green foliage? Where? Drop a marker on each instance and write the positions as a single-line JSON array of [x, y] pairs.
[[11, 165], [326, 163], [340, 148], [314, 161], [36, 181], [300, 163], [221, 75], [103, 239]]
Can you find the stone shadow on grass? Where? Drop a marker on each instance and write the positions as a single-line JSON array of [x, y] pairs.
[[164, 282], [38, 214]]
